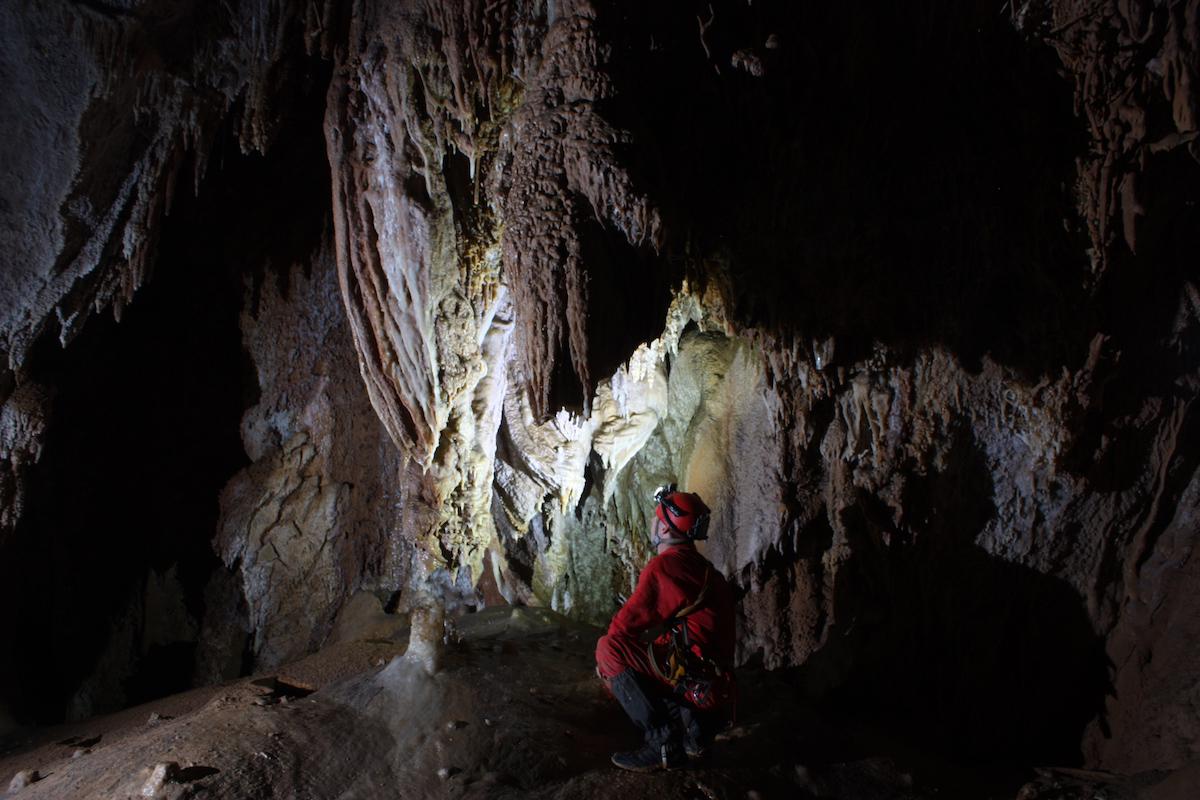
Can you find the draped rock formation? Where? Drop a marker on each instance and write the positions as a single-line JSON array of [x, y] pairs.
[[909, 297]]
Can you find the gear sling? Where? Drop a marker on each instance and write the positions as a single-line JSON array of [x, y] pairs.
[[698, 680]]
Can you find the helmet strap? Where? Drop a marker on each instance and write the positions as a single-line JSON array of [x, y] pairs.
[[678, 537]]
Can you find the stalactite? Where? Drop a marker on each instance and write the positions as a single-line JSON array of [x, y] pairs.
[[565, 167], [893, 371], [1135, 67]]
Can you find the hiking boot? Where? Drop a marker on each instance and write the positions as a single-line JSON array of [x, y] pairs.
[[691, 725], [651, 758], [695, 750], [648, 711]]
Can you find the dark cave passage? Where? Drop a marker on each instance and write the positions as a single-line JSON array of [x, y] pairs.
[[143, 435], [104, 581], [879, 181]]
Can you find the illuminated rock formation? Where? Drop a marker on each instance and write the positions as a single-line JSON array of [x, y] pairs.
[[910, 298]]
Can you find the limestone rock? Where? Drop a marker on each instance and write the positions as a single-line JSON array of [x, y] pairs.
[[160, 774], [326, 486], [22, 779], [23, 413], [933, 364], [425, 642]]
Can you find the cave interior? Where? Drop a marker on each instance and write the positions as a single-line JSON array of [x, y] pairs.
[[321, 323]]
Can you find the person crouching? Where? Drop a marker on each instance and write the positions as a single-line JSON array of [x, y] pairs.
[[668, 655]]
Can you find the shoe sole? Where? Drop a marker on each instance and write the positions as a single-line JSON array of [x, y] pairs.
[[648, 768]]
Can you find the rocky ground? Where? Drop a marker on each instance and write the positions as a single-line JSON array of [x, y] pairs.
[[510, 710]]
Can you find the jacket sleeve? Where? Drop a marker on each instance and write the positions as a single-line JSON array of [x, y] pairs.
[[641, 609]]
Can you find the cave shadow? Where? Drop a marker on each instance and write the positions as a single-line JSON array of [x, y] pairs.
[[142, 434], [194, 773], [81, 741], [277, 689], [144, 430], [950, 649], [903, 176]]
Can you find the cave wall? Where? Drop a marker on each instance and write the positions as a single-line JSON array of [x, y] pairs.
[[312, 519], [105, 567], [981, 432], [118, 104], [923, 331], [174, 151]]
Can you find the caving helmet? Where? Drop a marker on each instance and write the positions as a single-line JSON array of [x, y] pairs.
[[684, 513]]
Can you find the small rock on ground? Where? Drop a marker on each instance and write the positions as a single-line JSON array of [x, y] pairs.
[[23, 779], [162, 772]]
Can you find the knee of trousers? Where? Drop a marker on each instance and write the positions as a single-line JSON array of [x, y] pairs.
[[613, 657]]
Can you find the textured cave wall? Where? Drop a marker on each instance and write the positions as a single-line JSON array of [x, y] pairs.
[[961, 417], [116, 105], [104, 570], [1135, 68], [461, 137], [312, 519], [138, 148], [417, 262], [910, 297]]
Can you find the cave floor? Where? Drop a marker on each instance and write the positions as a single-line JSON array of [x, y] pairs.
[[514, 711]]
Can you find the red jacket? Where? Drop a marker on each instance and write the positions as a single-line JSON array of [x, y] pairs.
[[670, 583]]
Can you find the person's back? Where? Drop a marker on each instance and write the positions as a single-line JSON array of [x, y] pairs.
[[711, 626]]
